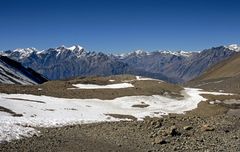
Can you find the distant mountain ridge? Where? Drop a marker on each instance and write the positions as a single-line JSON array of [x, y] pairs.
[[66, 62], [12, 72], [63, 62], [176, 65]]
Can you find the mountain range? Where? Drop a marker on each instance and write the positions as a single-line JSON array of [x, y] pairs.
[[66, 62]]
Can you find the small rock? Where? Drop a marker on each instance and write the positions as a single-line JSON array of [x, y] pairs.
[[173, 131], [218, 101], [152, 135], [139, 126], [207, 128], [158, 125], [226, 131], [172, 116], [162, 132], [235, 137], [187, 127], [160, 140]]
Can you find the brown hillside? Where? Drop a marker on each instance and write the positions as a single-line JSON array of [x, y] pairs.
[[61, 89], [227, 68], [224, 76]]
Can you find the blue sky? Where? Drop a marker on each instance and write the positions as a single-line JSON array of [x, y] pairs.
[[119, 25]]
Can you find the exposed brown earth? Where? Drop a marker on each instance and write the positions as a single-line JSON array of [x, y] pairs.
[[14, 114], [122, 116], [61, 88], [230, 85]]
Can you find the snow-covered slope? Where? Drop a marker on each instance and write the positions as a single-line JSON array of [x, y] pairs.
[[12, 72], [233, 47]]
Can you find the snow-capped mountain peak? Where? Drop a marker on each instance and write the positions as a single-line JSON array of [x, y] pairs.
[[184, 53], [139, 52], [75, 47], [173, 66], [74, 50], [177, 53], [22, 53], [134, 53], [233, 47], [25, 50]]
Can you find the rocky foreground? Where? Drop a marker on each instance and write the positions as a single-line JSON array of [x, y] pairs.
[[207, 128]]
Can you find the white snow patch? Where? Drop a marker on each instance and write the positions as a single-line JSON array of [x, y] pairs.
[[216, 93], [54, 111], [177, 53], [233, 47], [128, 81], [111, 80], [24, 53], [10, 130], [75, 47], [146, 79], [211, 102], [215, 82], [109, 86]]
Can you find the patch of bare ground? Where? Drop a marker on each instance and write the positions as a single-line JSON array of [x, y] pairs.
[[14, 114], [26, 100], [119, 116], [61, 88], [226, 84], [140, 105], [231, 103]]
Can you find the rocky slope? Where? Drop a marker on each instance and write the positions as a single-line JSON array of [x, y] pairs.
[[224, 76], [63, 62], [12, 72]]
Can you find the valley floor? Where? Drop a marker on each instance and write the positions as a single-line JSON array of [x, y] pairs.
[[44, 123]]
